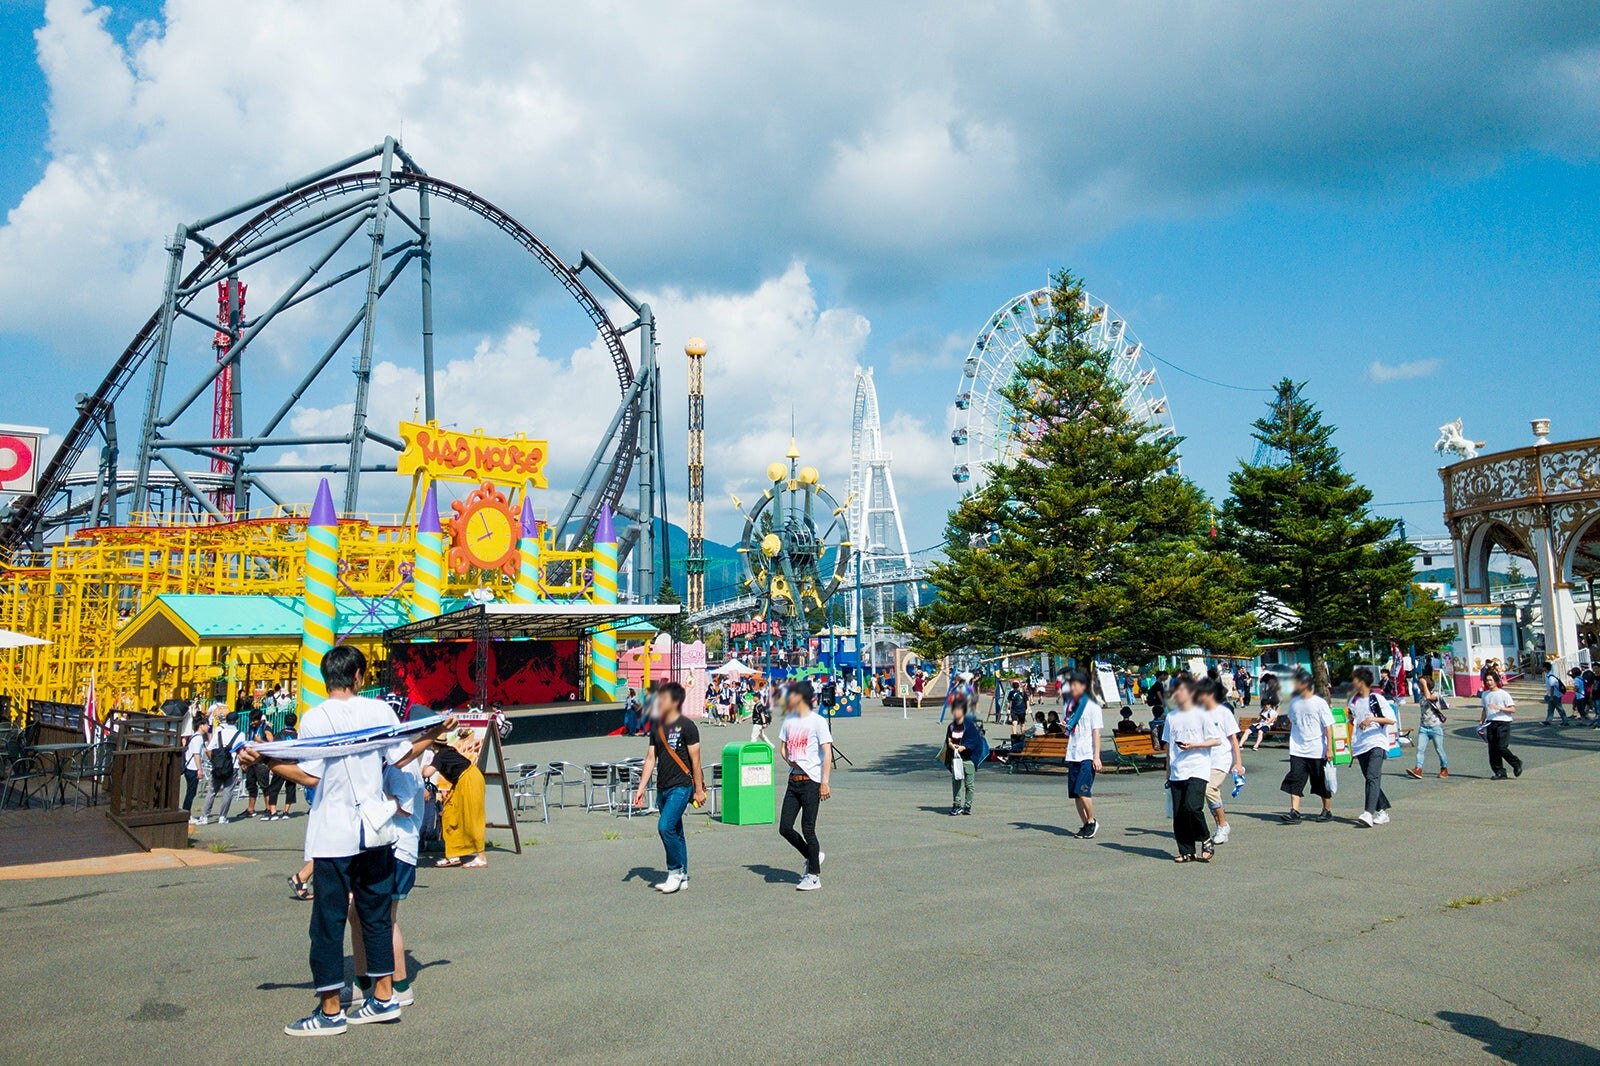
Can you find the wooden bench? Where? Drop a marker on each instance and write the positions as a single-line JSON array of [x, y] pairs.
[[1037, 751], [1132, 748]]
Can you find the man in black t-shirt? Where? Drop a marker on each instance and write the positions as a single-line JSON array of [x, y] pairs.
[[675, 757]]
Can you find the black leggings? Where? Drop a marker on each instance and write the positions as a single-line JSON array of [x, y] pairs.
[[802, 798], [1188, 813], [278, 786]]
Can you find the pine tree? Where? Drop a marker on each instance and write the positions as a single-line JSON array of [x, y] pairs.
[[1087, 542], [1327, 572], [677, 626]]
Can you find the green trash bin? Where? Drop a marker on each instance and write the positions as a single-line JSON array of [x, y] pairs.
[[748, 797]]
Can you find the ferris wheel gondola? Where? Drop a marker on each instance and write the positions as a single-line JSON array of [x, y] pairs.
[[985, 428]]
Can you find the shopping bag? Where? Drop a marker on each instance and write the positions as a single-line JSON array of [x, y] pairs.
[[1331, 773], [958, 767], [1168, 791]]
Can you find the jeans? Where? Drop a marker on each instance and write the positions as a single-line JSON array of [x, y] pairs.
[[216, 791], [191, 784], [1553, 705], [802, 798], [1372, 769], [1435, 735], [1188, 813], [961, 789], [670, 826], [1499, 737], [368, 876]]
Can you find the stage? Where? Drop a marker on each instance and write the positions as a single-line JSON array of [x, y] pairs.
[[562, 721]]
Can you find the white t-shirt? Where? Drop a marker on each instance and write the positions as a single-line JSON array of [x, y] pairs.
[[333, 828], [405, 785], [193, 758], [801, 738], [1223, 719], [1080, 742], [1189, 727], [1497, 706], [1374, 736], [1308, 717]]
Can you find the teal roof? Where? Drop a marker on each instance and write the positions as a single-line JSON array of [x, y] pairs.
[[182, 620]]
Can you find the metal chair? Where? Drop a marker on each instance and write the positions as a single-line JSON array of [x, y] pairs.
[[628, 777], [557, 777], [27, 779], [598, 779], [531, 785], [714, 786], [91, 767]]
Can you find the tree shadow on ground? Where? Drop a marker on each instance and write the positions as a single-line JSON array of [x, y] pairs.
[[772, 875], [1130, 849], [908, 759], [1039, 827], [1518, 1045]]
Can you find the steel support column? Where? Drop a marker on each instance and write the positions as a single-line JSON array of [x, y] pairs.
[[369, 325]]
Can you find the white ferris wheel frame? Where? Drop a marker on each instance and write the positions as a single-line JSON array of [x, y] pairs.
[[980, 429]]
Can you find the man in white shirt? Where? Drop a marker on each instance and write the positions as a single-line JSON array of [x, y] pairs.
[[350, 803], [194, 757], [1370, 715], [1225, 758], [1310, 749], [807, 746], [1083, 722], [220, 772], [1189, 738], [1499, 710]]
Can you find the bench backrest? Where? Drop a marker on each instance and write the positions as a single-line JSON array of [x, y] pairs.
[[1136, 744], [1046, 747]]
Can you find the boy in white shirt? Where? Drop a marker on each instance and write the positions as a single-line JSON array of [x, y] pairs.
[[1083, 724], [1189, 737], [1225, 757], [1310, 749], [1499, 710], [806, 744], [1369, 715]]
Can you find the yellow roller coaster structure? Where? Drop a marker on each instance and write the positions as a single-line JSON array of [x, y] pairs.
[[80, 594]]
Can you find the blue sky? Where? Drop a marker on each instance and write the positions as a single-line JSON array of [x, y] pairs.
[[1259, 192]]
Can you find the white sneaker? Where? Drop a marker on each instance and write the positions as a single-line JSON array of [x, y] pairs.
[[406, 998], [223, 820], [1221, 835], [1366, 821], [198, 821], [675, 882], [809, 883], [1381, 819]]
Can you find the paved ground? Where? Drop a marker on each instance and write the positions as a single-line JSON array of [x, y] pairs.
[[1463, 932]]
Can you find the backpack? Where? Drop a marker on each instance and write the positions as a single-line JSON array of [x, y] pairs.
[[221, 761]]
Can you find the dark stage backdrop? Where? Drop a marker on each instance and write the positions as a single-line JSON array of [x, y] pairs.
[[443, 674]]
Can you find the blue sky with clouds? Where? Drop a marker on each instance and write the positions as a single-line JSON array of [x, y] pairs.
[[1395, 203]]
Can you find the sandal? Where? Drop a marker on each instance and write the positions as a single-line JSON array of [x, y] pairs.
[[1185, 858], [1206, 852], [476, 864], [299, 889], [448, 862]]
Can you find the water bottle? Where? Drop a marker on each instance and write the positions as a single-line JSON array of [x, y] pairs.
[[1238, 785]]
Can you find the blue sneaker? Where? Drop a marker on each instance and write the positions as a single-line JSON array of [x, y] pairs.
[[375, 1010], [318, 1024]]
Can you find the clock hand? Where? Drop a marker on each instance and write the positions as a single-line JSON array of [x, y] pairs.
[[487, 535]]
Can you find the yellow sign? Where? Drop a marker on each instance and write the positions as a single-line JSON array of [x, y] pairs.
[[446, 455]]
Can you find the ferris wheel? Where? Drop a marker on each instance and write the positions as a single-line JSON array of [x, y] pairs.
[[986, 429]]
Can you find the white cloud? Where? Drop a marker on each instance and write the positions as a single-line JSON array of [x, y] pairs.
[[1384, 373]]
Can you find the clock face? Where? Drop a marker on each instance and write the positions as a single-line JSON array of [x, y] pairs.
[[484, 532]]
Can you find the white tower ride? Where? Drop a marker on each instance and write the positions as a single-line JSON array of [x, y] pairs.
[[875, 523]]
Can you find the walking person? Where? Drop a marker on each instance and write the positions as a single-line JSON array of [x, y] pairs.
[[194, 763], [1499, 711], [220, 767], [1430, 729], [1225, 757], [674, 756], [963, 750], [281, 786], [1370, 716], [807, 746], [760, 718], [1580, 695], [404, 785], [1310, 749], [257, 777], [1554, 690], [349, 788], [1085, 722], [1190, 736]]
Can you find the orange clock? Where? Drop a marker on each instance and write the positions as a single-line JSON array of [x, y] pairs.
[[484, 532]]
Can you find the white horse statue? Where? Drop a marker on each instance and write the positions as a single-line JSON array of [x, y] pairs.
[[1453, 442]]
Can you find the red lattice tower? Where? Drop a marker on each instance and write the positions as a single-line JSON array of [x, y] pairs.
[[230, 308]]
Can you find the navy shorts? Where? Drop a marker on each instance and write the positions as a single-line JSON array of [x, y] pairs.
[[405, 879], [1080, 779]]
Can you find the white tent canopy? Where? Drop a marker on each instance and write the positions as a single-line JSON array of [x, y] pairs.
[[733, 667], [11, 639]]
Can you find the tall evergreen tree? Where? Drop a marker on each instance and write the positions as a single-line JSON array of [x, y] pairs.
[[1326, 570], [1088, 542]]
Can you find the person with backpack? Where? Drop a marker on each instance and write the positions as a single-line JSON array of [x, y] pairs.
[[674, 757], [221, 766], [1580, 695], [1370, 716], [1554, 690], [1430, 730]]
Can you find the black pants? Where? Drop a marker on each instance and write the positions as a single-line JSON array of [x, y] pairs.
[[1189, 813], [802, 798], [191, 784], [369, 877], [1372, 770], [1499, 737], [257, 779], [277, 786]]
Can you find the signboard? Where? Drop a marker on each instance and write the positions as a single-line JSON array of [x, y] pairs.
[[1105, 679], [19, 458], [446, 455]]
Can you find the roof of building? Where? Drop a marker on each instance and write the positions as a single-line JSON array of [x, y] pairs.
[[195, 620]]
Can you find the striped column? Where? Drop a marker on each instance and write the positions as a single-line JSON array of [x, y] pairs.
[[603, 643], [530, 584], [322, 578], [427, 575]]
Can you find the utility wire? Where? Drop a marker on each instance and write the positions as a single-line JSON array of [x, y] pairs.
[[1208, 381]]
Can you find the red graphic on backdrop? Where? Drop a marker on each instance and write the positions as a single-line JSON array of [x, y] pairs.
[[443, 675]]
